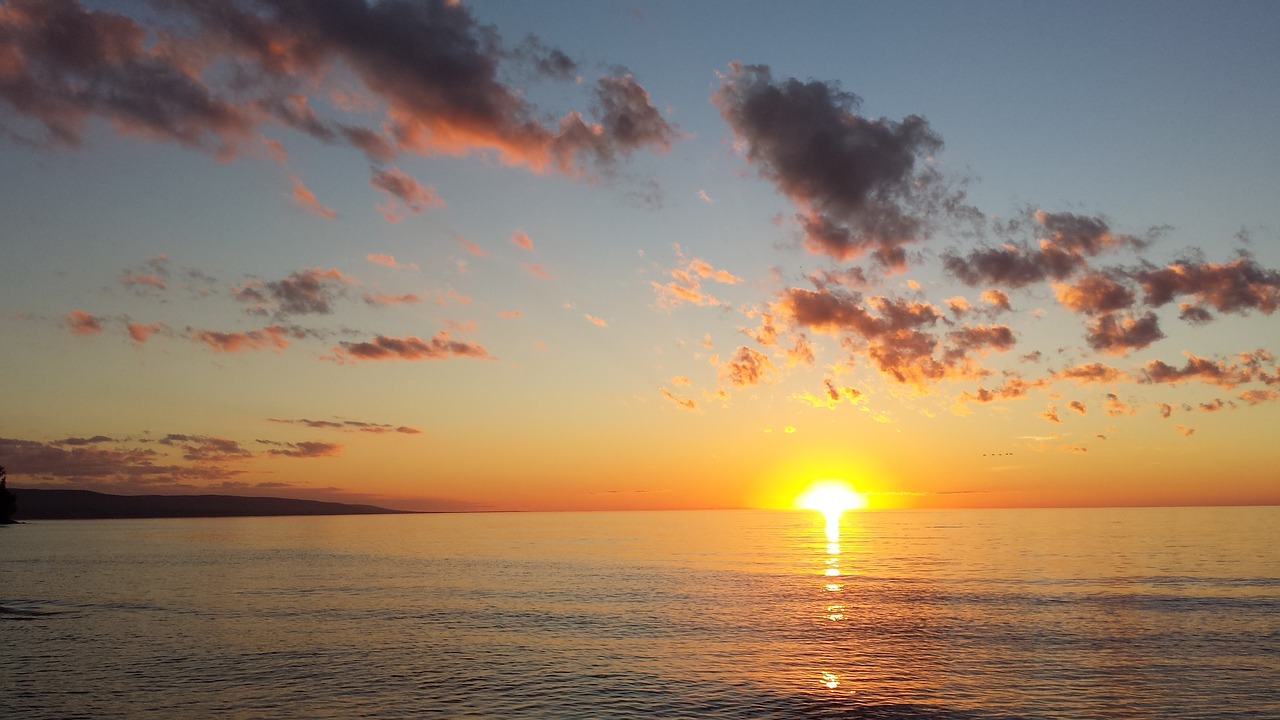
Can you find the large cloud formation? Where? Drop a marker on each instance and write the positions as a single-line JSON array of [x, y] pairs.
[[862, 185], [212, 73]]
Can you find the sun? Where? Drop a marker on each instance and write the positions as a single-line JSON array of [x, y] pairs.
[[831, 498]]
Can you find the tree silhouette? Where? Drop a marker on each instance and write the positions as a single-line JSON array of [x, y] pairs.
[[8, 503]]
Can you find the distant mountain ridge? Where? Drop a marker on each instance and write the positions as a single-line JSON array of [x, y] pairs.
[[34, 504]]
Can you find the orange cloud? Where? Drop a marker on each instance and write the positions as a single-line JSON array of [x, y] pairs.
[[471, 247], [686, 284], [686, 403], [521, 240], [538, 271], [139, 333], [270, 337], [598, 322], [306, 199], [82, 323], [747, 367]]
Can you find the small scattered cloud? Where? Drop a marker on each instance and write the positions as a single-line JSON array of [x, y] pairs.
[[382, 347], [305, 199], [521, 240], [82, 323], [404, 194]]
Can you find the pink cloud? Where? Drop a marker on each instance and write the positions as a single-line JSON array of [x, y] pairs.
[[471, 247], [304, 198], [82, 323], [521, 240], [598, 322], [271, 337], [139, 333], [388, 261], [509, 314], [538, 271]]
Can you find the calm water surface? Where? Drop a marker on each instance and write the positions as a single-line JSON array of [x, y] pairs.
[[1134, 613]]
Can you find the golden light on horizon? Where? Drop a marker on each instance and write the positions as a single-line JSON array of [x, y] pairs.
[[830, 497]]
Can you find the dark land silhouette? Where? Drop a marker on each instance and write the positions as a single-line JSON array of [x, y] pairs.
[[8, 503], [39, 504]]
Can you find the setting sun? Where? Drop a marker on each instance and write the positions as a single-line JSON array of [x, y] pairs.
[[831, 498]]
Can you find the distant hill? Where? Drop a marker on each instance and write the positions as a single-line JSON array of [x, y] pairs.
[[85, 505]]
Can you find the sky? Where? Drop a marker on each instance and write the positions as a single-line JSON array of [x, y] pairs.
[[642, 255]]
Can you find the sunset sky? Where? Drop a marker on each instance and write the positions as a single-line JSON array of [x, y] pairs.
[[593, 255]]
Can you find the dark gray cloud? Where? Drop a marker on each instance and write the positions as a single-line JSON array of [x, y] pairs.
[[1237, 286], [211, 74], [862, 185], [1117, 334], [1062, 246]]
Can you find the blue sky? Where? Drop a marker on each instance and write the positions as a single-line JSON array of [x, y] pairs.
[[574, 379]]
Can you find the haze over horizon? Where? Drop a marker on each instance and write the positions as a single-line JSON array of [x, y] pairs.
[[642, 255]]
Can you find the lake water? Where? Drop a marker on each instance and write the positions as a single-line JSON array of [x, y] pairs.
[[1127, 613]]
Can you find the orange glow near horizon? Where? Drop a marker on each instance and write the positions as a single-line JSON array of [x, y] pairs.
[[831, 498]]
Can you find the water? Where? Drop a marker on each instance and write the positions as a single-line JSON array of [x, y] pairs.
[[1135, 613]]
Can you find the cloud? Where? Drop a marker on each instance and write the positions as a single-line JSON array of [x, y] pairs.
[[1013, 387], [1094, 372], [747, 367], [310, 291], [1221, 373], [686, 283], [271, 337], [1254, 397], [89, 462], [206, 448], [215, 72], [382, 347], [384, 299], [686, 403], [309, 449], [471, 247], [65, 64], [1165, 410], [894, 333], [350, 426], [1116, 407], [403, 193], [509, 314], [521, 240], [1077, 406], [1237, 286], [996, 298], [679, 380], [82, 323], [1094, 293], [1113, 334], [1051, 414], [389, 261], [1184, 430], [140, 333], [704, 197], [833, 394], [861, 185], [306, 199], [1064, 244], [537, 270], [598, 322]]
